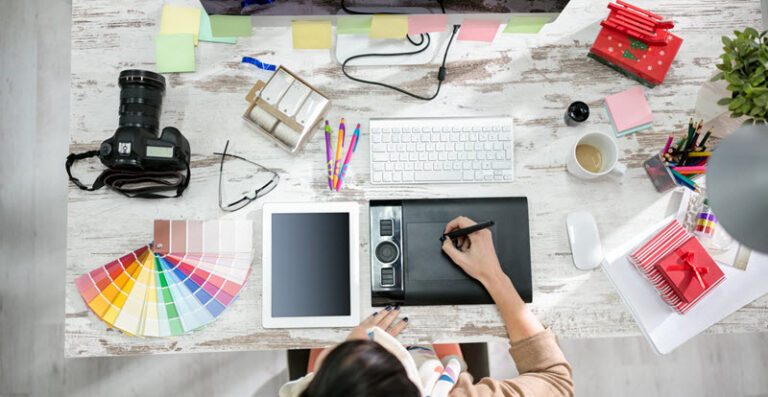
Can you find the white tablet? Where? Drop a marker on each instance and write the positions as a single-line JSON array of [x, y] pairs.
[[310, 265]]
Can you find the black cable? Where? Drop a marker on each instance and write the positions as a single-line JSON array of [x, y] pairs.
[[440, 74]]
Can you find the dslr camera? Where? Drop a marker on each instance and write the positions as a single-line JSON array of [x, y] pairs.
[[136, 146]]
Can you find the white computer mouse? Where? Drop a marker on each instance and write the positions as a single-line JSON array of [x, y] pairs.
[[586, 249]]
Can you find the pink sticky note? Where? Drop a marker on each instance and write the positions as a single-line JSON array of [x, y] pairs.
[[478, 30], [427, 23], [629, 109]]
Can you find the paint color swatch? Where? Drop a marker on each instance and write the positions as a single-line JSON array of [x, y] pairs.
[[155, 292], [478, 30], [311, 35], [385, 26]]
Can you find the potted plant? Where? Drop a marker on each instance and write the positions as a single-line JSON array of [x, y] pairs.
[[743, 67]]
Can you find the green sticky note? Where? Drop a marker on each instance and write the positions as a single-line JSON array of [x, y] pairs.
[[206, 34], [175, 53], [526, 24], [230, 25], [353, 25]]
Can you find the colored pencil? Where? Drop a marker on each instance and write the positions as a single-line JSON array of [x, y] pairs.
[[328, 149], [339, 149], [669, 142], [690, 130], [352, 148], [684, 179], [706, 136], [691, 172], [699, 154]]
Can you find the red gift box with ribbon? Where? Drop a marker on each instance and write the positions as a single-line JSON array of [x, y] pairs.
[[690, 271]]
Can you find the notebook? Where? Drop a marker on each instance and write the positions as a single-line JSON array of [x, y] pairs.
[[628, 111], [665, 329]]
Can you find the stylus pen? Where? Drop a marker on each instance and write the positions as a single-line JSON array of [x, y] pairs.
[[467, 230], [328, 137], [352, 148], [339, 148]]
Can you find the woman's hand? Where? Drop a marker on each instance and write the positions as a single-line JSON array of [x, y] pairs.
[[383, 320], [476, 255]]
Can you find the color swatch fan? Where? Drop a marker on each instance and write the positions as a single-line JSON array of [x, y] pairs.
[[180, 283]]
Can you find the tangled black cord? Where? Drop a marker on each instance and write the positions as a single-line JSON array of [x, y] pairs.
[[440, 74]]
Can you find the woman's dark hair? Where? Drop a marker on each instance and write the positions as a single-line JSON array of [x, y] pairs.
[[361, 368]]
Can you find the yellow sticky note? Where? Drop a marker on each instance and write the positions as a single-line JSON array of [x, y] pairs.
[[389, 27], [311, 35], [180, 20]]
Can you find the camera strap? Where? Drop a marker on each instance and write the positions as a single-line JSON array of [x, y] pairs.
[[141, 184]]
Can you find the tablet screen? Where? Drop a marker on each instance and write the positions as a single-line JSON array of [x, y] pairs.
[[310, 265]]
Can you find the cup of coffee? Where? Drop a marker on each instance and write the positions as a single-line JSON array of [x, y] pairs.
[[594, 155]]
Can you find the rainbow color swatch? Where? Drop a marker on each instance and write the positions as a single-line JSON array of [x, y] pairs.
[[180, 283]]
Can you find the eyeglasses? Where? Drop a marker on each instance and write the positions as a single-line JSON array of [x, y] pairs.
[[248, 197]]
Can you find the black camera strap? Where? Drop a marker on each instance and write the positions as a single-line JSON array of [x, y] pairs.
[[141, 184]]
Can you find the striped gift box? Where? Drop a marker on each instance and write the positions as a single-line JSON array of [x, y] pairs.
[[646, 258]]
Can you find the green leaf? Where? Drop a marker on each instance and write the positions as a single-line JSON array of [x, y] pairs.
[[736, 115], [733, 88], [748, 122], [724, 67], [718, 76], [756, 79], [727, 41], [736, 103], [733, 79], [724, 101], [752, 33], [755, 111]]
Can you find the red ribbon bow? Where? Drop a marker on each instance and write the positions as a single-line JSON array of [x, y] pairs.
[[687, 258]]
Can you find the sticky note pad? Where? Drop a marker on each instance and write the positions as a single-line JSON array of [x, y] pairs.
[[230, 25], [628, 111], [526, 24], [311, 35], [175, 53], [353, 25], [418, 24], [180, 20], [478, 30], [207, 35], [389, 26]]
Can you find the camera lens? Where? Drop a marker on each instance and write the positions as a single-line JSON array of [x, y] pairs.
[[386, 252], [141, 98]]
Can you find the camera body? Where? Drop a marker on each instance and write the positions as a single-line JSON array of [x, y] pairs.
[[136, 148], [135, 145]]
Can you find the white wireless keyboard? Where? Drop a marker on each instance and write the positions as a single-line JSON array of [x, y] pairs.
[[442, 150]]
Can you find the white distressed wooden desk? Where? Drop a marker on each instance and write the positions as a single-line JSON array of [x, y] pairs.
[[529, 77]]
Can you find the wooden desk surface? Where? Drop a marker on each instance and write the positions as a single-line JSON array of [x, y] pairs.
[[529, 77]]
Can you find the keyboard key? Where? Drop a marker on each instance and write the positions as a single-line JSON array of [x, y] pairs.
[[408, 176], [389, 166], [413, 156], [378, 166], [377, 176], [396, 138], [380, 157], [393, 156], [375, 138], [447, 176], [501, 165], [469, 175], [379, 147], [409, 165]]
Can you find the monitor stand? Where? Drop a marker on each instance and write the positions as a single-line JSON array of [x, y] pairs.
[[348, 45]]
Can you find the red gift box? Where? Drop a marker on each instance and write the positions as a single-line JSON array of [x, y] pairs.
[[636, 43], [690, 271]]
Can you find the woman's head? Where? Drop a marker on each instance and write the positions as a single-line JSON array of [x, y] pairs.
[[361, 368]]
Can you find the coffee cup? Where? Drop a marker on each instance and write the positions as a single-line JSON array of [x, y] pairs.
[[594, 155]]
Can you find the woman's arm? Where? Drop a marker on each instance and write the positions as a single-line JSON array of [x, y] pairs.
[[478, 258], [542, 365]]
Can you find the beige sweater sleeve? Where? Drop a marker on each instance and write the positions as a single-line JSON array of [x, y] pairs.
[[542, 367]]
